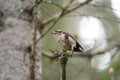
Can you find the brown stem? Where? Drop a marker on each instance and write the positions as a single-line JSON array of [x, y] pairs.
[[63, 61], [63, 72], [33, 53]]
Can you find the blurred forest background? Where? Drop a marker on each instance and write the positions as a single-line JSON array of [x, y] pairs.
[[26, 40]]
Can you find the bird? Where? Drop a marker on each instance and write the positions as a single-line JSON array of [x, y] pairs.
[[71, 43]]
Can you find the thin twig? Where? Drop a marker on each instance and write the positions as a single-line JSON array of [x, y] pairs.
[[53, 3], [103, 6], [106, 26], [77, 7], [71, 1], [42, 9], [83, 14]]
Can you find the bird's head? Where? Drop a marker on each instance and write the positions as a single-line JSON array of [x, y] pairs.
[[59, 36], [57, 32]]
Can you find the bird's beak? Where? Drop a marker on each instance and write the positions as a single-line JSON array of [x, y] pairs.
[[53, 32]]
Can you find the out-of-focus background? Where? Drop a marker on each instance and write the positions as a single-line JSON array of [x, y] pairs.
[[95, 25]]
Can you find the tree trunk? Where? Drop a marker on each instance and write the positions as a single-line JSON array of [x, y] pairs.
[[15, 38]]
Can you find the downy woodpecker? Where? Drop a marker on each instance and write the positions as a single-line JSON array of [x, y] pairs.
[[71, 44]]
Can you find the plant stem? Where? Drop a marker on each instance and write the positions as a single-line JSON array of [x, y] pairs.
[[63, 72], [63, 62], [33, 53]]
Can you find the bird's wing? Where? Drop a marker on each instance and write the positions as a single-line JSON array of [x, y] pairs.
[[70, 37], [80, 46], [73, 40]]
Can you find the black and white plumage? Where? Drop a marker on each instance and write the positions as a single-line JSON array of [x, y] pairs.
[[72, 43]]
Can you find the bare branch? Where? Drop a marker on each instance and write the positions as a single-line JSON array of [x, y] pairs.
[[77, 6], [53, 3], [33, 53], [83, 14], [45, 11], [87, 54], [94, 5], [50, 55], [71, 1]]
